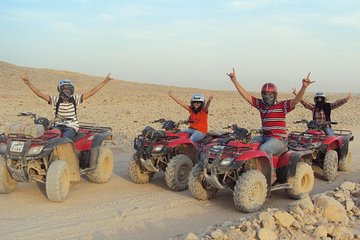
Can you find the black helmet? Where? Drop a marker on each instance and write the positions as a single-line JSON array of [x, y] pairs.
[[43, 121], [168, 125]]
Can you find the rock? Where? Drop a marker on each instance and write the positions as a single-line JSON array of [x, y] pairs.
[[349, 204], [309, 228], [267, 221], [332, 209], [266, 234], [306, 205], [218, 234], [310, 220], [284, 218], [356, 194], [297, 225], [342, 232], [320, 232], [349, 186], [191, 236], [297, 210]]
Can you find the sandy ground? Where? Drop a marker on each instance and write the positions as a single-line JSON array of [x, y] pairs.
[[121, 209]]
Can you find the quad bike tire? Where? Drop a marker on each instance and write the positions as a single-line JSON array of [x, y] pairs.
[[137, 175], [196, 187], [330, 165], [344, 162], [177, 172], [302, 182], [7, 183], [104, 167], [250, 191], [57, 181]]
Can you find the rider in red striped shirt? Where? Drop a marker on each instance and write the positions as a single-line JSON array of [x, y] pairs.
[[272, 113]]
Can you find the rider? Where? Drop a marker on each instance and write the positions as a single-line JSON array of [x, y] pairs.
[[273, 115], [65, 104], [321, 109], [198, 119]]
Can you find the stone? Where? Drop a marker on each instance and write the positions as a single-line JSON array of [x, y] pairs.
[[310, 220], [349, 204], [218, 234], [342, 232], [320, 232], [267, 221], [307, 205], [284, 218], [349, 186], [332, 209], [191, 236], [266, 234]]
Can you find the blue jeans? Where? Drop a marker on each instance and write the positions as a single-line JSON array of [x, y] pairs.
[[271, 146], [195, 134], [329, 131], [67, 132]]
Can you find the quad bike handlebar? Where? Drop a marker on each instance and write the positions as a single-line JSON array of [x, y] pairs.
[[314, 124]]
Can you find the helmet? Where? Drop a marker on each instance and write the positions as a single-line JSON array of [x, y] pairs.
[[320, 95], [197, 97], [269, 87], [64, 82]]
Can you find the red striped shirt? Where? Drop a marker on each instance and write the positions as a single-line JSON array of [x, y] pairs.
[[273, 119]]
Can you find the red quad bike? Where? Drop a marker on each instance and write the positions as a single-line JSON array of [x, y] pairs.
[[331, 152], [38, 153], [168, 150], [239, 165]]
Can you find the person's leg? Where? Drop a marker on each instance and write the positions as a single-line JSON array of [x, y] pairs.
[[329, 131], [273, 146], [69, 133], [197, 136]]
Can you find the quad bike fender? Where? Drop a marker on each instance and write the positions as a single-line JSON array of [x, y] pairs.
[[291, 159], [52, 144], [344, 148], [95, 147], [331, 143], [67, 152]]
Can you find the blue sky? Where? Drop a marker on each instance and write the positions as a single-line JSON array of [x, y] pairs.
[[189, 43]]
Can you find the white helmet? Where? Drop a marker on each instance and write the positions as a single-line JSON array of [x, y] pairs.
[[320, 95], [64, 82], [197, 97]]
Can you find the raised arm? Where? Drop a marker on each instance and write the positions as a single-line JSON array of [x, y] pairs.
[[178, 101], [240, 89], [98, 87], [305, 103], [340, 102], [305, 83], [26, 80], [207, 105]]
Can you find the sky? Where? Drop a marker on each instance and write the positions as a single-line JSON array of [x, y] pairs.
[[189, 43]]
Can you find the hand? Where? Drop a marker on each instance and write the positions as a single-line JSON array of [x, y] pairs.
[[294, 91], [25, 79], [108, 78], [232, 75], [348, 96], [211, 96], [170, 92], [306, 82]]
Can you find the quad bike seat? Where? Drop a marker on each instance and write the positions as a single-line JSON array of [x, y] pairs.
[[151, 133]]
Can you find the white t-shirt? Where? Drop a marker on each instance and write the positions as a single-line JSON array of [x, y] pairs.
[[66, 111]]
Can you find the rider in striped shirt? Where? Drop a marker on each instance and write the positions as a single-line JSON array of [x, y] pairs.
[[272, 113], [65, 104]]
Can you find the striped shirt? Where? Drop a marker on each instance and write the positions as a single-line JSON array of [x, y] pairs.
[[319, 114], [273, 119], [67, 112]]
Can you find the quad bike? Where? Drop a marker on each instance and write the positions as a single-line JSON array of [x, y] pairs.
[[332, 153], [239, 165], [168, 150], [38, 153]]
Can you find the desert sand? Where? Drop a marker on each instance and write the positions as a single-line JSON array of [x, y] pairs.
[[121, 209]]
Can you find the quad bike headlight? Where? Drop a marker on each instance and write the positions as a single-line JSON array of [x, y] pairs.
[[3, 147], [226, 162], [158, 148], [35, 150]]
